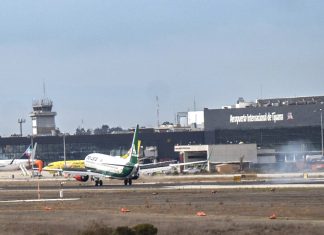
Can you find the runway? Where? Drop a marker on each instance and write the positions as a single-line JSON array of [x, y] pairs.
[[163, 183]]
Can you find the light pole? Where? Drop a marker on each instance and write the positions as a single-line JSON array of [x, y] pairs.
[[322, 145], [21, 121], [322, 131], [32, 155], [64, 150]]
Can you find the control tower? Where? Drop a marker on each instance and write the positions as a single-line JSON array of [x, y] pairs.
[[43, 119]]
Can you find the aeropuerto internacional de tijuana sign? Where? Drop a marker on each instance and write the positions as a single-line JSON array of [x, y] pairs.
[[266, 117]]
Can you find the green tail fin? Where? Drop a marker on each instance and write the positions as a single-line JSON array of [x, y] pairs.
[[135, 147]]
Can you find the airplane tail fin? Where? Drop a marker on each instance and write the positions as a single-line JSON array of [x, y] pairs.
[[134, 151], [33, 152], [28, 152]]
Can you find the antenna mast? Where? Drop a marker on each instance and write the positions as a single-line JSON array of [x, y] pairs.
[[44, 90], [21, 121]]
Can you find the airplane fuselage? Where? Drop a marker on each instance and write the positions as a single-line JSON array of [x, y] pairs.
[[110, 166], [8, 165]]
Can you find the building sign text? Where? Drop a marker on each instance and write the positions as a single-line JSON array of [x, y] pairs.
[[267, 117]]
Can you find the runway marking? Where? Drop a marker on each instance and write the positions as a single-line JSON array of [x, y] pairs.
[[42, 200], [245, 186]]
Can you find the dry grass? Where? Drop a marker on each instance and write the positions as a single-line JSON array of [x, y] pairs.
[[171, 212]]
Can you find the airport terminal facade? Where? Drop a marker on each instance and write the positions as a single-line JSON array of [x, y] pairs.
[[292, 127], [51, 148], [289, 127]]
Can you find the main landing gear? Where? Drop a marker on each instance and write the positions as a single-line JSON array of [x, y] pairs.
[[98, 182], [127, 181]]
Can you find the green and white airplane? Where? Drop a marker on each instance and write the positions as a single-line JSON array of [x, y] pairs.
[[99, 166]]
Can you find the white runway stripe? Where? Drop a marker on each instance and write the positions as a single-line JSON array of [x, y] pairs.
[[42, 200]]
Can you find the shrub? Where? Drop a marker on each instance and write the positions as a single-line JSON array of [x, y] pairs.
[[145, 229], [124, 231], [100, 229], [97, 229]]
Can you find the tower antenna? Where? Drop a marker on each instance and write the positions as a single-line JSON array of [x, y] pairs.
[[44, 90]]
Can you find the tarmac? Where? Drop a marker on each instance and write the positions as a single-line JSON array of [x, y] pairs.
[[182, 204], [166, 182]]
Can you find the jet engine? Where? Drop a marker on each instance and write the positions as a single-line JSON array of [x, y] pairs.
[[136, 174], [82, 178]]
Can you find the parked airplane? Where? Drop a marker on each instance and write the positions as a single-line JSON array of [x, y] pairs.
[[98, 166], [58, 166], [25, 160]]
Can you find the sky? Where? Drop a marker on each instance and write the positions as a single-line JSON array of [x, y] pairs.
[[106, 61]]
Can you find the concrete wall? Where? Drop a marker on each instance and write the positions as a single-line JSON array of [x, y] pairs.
[[232, 153], [266, 156]]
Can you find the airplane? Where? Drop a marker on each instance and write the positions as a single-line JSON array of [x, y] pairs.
[[25, 160], [54, 167], [58, 166], [98, 166]]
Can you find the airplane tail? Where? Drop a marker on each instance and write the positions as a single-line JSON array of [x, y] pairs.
[[28, 153], [134, 151], [34, 152]]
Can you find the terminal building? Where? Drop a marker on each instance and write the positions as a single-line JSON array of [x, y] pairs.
[[278, 130], [292, 127], [281, 132]]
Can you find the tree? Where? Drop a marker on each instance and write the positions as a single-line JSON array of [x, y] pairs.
[[166, 123], [82, 131], [116, 129], [104, 130]]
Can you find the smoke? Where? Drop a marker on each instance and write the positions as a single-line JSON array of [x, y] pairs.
[[291, 156]]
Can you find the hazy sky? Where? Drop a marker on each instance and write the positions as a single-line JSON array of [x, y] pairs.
[[105, 61]]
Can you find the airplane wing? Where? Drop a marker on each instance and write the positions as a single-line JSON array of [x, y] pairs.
[[50, 169], [82, 172], [110, 164], [163, 169], [70, 171], [188, 163]]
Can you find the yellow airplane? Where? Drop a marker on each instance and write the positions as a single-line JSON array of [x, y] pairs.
[[58, 166]]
